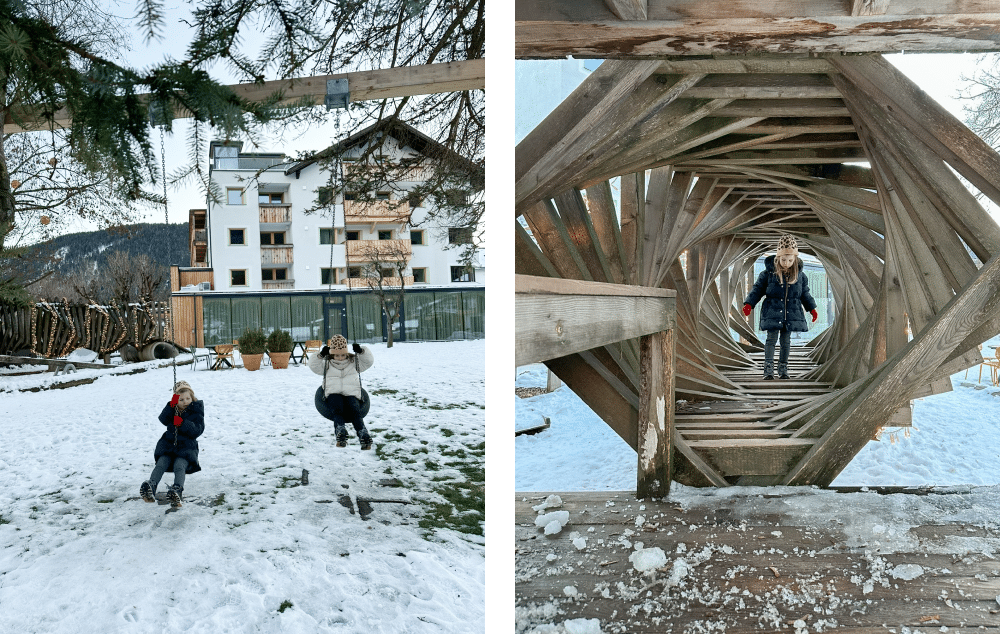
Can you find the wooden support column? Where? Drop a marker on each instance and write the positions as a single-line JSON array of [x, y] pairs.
[[656, 414], [567, 324]]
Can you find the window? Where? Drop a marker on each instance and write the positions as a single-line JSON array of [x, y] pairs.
[[354, 271], [415, 200], [238, 277], [388, 272], [352, 235], [327, 276], [350, 196], [419, 276], [237, 236], [382, 196], [461, 235], [324, 195], [416, 236], [269, 275], [326, 235], [234, 196], [269, 199], [385, 235], [272, 237], [463, 274]]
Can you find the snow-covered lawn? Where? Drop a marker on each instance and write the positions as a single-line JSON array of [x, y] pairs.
[[252, 549]]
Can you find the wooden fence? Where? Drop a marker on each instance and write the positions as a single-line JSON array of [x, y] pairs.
[[55, 329]]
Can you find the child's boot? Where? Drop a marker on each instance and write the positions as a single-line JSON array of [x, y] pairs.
[[341, 432], [147, 491], [174, 495], [782, 370], [365, 438], [768, 371]]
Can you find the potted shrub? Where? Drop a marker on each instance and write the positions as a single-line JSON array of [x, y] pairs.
[[253, 342], [279, 348]]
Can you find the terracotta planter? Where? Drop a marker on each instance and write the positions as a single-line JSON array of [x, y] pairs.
[[252, 361], [279, 360]]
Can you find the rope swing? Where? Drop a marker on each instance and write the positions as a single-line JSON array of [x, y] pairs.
[[320, 398]]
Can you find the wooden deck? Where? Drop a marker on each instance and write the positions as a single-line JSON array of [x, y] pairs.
[[765, 560]]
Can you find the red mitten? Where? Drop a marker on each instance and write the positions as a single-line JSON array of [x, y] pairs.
[[814, 314], [177, 421], [747, 309], [173, 401]]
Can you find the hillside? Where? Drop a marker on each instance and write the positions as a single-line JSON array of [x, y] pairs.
[[166, 244]]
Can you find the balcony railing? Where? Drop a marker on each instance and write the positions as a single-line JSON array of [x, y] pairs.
[[367, 282], [276, 254], [376, 211], [274, 215], [278, 285], [248, 162], [378, 250], [200, 235], [401, 173]]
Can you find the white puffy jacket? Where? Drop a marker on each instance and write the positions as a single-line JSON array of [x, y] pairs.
[[341, 376]]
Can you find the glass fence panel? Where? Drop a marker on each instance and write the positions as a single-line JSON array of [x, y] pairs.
[[364, 318], [276, 314], [307, 318], [246, 314], [216, 319]]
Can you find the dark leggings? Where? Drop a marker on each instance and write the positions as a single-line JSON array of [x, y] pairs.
[[180, 470], [343, 409], [774, 336]]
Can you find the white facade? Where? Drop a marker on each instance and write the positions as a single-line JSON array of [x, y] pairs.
[[271, 208]]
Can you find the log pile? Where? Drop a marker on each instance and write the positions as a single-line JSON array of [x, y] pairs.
[[53, 330]]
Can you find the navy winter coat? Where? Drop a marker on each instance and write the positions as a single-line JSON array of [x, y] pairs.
[[783, 302], [179, 442]]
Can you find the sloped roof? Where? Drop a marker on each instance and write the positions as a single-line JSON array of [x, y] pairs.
[[405, 133]]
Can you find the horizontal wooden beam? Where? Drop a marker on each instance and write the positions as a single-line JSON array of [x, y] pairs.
[[555, 31], [557, 317], [387, 83]]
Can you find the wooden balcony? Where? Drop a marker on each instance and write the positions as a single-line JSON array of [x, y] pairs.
[[199, 235], [278, 285], [393, 211], [362, 282], [398, 173], [382, 250], [276, 254], [275, 214]]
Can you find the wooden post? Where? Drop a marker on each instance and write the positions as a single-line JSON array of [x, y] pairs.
[[656, 414]]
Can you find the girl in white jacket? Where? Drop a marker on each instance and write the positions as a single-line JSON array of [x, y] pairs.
[[342, 386]]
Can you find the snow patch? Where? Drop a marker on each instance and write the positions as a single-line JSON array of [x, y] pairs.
[[647, 559]]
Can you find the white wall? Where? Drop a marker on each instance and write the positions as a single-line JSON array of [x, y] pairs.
[[309, 256]]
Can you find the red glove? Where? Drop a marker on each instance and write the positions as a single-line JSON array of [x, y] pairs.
[[173, 401], [747, 309], [177, 421], [814, 314]]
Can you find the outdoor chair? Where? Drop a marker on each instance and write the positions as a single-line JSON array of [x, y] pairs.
[[200, 354], [223, 357], [312, 345]]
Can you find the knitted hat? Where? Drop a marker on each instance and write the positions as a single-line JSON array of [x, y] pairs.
[[338, 344], [787, 246], [181, 384]]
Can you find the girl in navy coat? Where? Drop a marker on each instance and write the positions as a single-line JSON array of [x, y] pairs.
[[177, 449], [785, 289]]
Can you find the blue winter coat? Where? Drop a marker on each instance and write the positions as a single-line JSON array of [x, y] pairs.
[[179, 442], [783, 302]]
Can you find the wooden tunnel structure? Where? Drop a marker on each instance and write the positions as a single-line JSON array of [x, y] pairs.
[[714, 157]]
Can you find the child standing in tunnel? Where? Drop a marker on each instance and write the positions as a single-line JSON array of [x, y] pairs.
[[785, 289]]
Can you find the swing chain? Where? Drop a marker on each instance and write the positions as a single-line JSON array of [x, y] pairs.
[[166, 222]]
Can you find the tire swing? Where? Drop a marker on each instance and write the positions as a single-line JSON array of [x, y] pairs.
[[320, 399]]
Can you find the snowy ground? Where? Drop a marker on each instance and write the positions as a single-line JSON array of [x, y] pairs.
[[252, 549], [954, 440]]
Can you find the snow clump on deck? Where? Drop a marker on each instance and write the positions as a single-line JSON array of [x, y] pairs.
[[552, 522], [648, 559]]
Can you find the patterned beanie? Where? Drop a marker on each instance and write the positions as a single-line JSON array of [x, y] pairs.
[[338, 344], [787, 246]]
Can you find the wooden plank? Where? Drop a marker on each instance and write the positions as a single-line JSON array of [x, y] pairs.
[[388, 83], [656, 414], [607, 402], [559, 36], [600, 201], [556, 318]]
